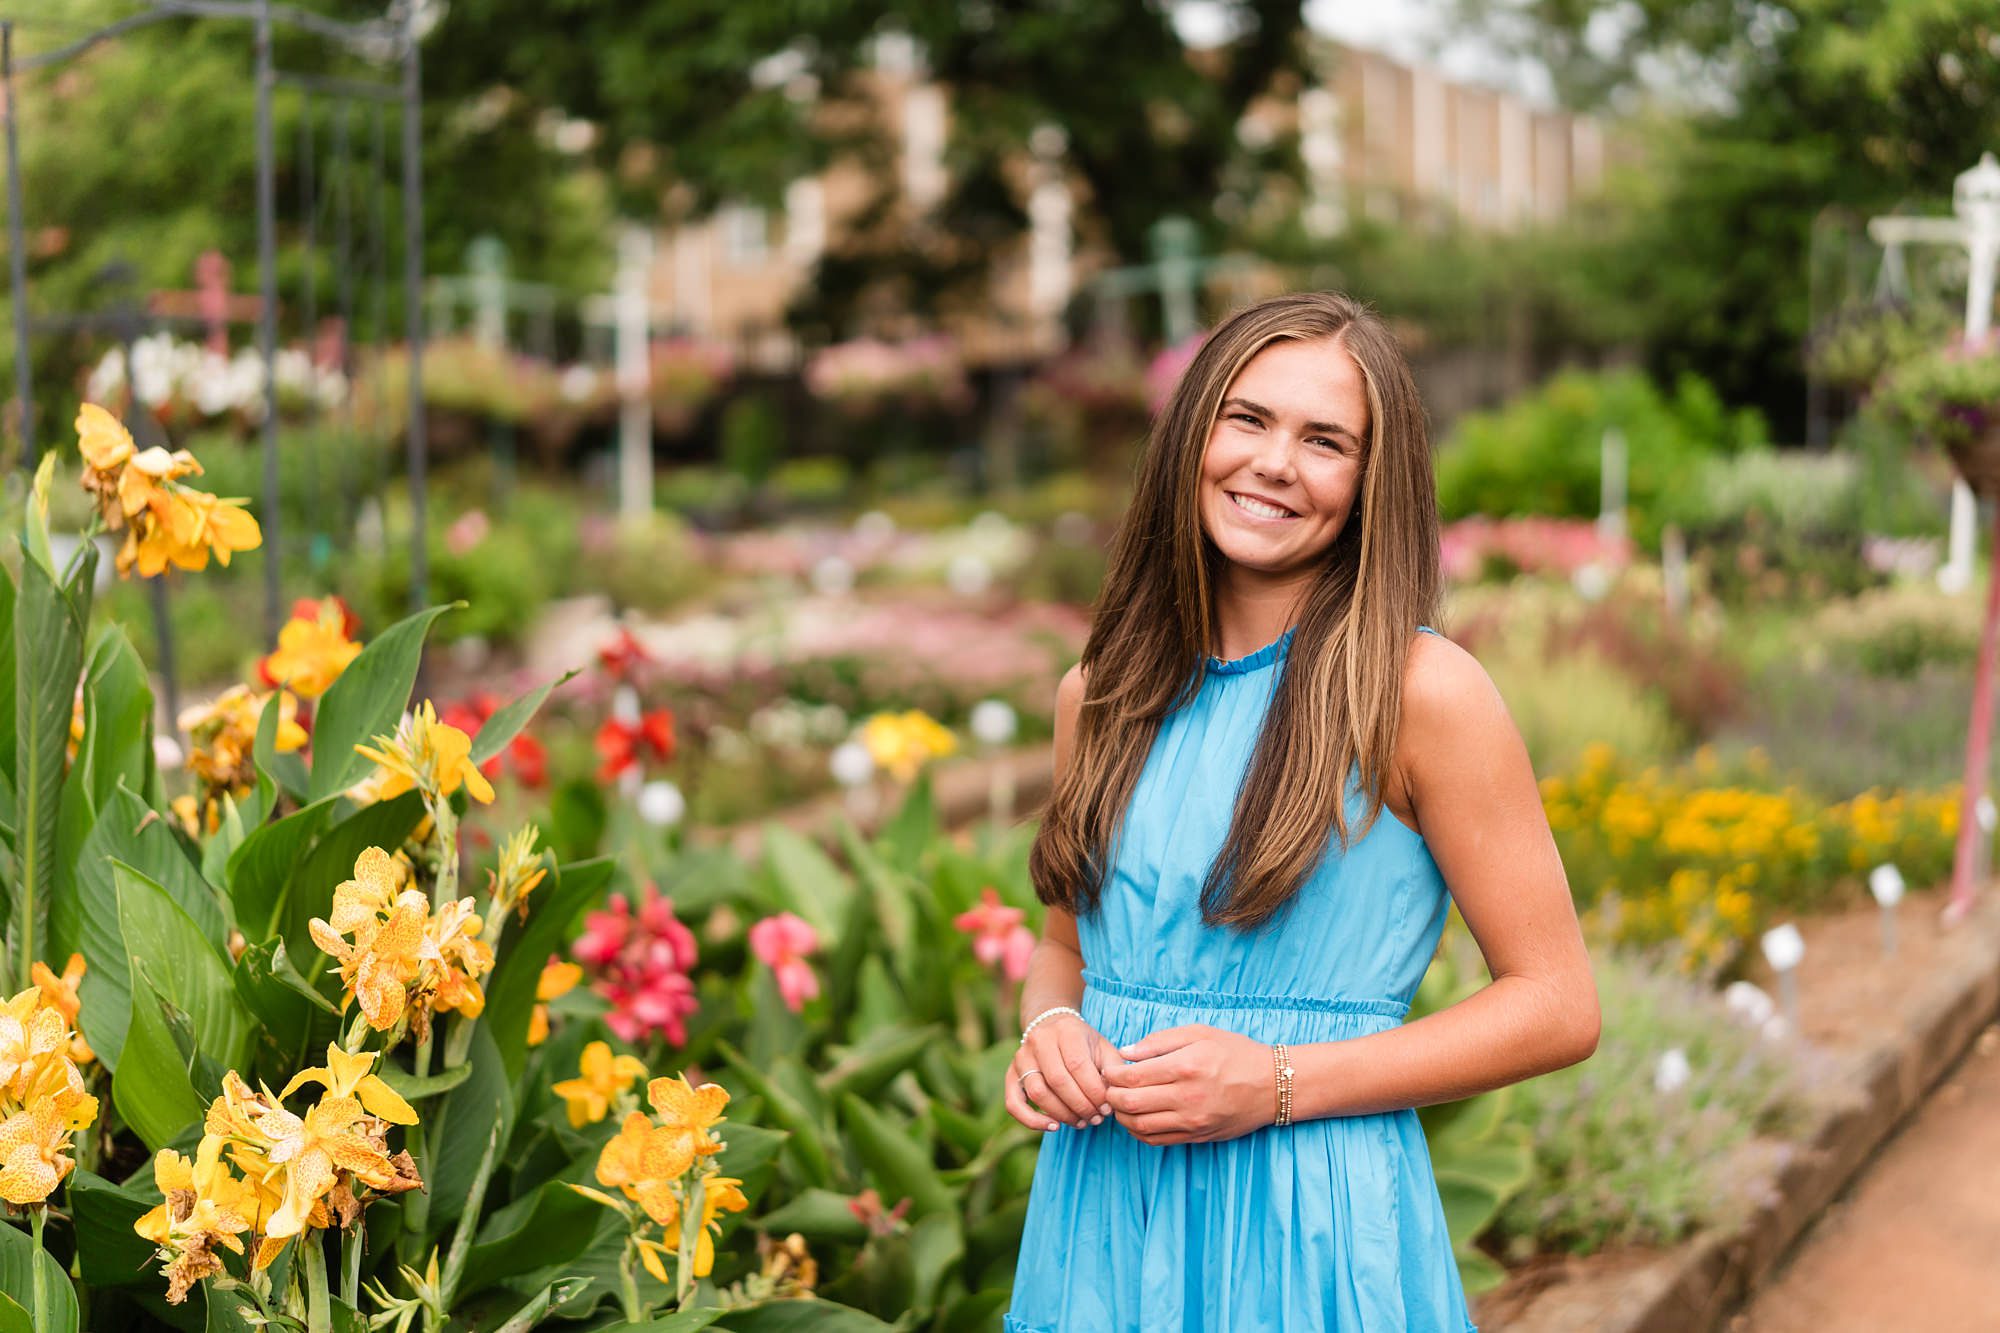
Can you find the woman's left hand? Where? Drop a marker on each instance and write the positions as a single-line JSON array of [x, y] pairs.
[[1193, 1084]]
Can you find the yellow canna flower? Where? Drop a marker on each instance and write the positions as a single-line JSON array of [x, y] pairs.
[[205, 1208], [719, 1195], [346, 1075], [557, 980], [330, 1138], [903, 743], [459, 957], [30, 1036], [603, 1079], [312, 651], [642, 1160], [428, 755], [60, 994], [385, 958], [222, 736], [378, 878], [689, 1113]]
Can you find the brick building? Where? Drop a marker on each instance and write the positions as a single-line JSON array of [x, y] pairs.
[[1398, 141]]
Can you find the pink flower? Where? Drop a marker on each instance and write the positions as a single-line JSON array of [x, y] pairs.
[[782, 942], [640, 964], [998, 935]]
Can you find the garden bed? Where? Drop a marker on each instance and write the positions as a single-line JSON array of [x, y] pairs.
[[1878, 1033]]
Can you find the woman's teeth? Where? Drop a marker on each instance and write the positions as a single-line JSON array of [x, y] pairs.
[[1259, 508]]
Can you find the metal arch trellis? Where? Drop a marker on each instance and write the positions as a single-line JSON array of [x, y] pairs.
[[389, 41]]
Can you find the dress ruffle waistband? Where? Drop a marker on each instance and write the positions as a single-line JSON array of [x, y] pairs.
[[1201, 999]]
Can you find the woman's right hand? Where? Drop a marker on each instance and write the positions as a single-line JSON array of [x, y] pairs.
[[1055, 1075]]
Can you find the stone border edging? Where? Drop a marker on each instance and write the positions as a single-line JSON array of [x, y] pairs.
[[1700, 1285]]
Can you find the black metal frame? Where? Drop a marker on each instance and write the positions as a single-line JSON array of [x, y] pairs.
[[389, 40]]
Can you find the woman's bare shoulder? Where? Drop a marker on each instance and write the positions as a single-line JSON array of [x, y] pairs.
[[1450, 704]]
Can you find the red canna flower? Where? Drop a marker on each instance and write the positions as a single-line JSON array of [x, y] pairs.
[[622, 745]]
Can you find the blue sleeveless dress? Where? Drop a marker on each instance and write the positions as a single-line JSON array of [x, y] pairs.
[[1331, 1225]]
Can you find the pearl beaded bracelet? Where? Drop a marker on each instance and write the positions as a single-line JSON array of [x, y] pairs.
[[1036, 1021]]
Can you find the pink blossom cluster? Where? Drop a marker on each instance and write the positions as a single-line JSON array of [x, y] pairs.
[[999, 937], [866, 371], [1167, 367], [640, 963], [782, 943], [1532, 545]]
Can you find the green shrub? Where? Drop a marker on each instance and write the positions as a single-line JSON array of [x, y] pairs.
[[650, 567], [1566, 705], [753, 438], [1897, 631], [1619, 1163], [1770, 526], [810, 483], [218, 626], [1540, 454], [503, 577]]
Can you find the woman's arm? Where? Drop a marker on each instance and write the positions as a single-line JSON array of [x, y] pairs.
[[1064, 1049], [1464, 774]]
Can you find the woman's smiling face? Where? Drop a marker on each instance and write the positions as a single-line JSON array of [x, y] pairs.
[[1291, 434]]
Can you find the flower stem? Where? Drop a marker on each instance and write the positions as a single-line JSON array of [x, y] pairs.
[[319, 1305], [468, 1221], [38, 1217], [351, 1263], [628, 1287], [690, 1235], [445, 888]]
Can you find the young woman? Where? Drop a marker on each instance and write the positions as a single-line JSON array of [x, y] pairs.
[[1270, 774]]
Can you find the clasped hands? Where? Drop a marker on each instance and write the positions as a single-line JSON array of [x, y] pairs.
[[1192, 1084]]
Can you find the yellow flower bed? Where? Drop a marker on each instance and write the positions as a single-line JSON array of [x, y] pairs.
[[1684, 857]]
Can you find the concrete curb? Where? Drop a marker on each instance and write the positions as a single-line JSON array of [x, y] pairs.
[[1696, 1286]]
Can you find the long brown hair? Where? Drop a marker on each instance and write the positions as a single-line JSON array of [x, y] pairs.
[[1336, 707]]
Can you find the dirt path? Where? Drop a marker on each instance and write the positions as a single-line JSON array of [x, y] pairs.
[[1916, 1243]]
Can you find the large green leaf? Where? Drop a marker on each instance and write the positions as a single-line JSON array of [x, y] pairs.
[[456, 1137], [821, 1216], [366, 702], [294, 1021], [109, 1253], [183, 966], [510, 994], [86, 920], [285, 768], [506, 723], [18, 1256], [260, 869], [8, 755], [792, 1115], [14, 1318], [48, 632], [806, 880], [153, 1088], [117, 746], [550, 1225], [680, 1321], [802, 1316], [875, 1059], [897, 1157]]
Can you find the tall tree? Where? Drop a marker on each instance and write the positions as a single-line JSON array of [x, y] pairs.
[[702, 101], [1752, 116]]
